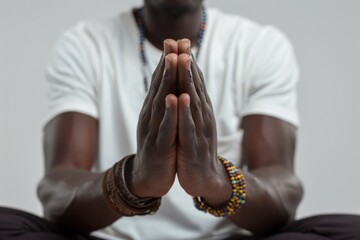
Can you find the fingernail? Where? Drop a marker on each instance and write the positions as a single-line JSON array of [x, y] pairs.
[[167, 63], [192, 56], [186, 39], [187, 103], [167, 102], [188, 64], [188, 50], [166, 47]]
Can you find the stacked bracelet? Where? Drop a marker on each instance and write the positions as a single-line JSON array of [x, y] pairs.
[[238, 193], [120, 199]]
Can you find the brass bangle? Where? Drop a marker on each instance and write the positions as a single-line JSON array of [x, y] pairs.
[[120, 199]]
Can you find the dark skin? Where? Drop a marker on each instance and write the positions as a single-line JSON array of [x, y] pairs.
[[182, 140], [174, 19]]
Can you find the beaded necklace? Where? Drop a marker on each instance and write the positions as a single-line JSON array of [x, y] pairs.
[[139, 15]]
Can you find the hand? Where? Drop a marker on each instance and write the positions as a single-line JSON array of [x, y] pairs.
[[199, 171], [153, 169]]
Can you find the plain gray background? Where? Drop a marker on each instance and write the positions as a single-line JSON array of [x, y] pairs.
[[326, 37]]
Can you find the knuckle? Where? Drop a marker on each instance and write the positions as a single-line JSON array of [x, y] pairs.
[[151, 137], [157, 106], [142, 131], [202, 87], [209, 110], [209, 105], [197, 105], [153, 88], [143, 115], [208, 133], [189, 77], [197, 113], [149, 148]]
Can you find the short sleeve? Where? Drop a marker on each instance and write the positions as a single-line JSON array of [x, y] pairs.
[[71, 75], [272, 86]]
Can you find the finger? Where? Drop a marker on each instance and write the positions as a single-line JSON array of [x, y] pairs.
[[168, 126], [145, 112], [156, 79], [186, 78], [184, 46], [170, 46], [168, 83], [199, 85], [186, 125], [206, 104], [199, 80], [167, 86]]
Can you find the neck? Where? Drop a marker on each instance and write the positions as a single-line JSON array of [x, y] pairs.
[[159, 27]]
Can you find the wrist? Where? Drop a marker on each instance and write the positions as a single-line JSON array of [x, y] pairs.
[[220, 189], [143, 182], [238, 194], [131, 179], [118, 196]]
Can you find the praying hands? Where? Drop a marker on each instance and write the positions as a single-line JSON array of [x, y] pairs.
[[177, 133]]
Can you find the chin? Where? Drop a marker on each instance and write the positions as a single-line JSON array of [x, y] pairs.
[[174, 8]]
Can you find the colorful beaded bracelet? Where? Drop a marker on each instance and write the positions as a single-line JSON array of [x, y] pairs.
[[238, 196]]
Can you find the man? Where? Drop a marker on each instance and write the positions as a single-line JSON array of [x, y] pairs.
[[125, 152]]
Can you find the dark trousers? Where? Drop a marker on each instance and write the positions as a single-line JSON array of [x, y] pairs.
[[18, 225]]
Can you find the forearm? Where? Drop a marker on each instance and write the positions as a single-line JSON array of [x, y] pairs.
[[74, 198], [273, 194]]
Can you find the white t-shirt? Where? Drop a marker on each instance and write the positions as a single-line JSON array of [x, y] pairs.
[[96, 70]]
